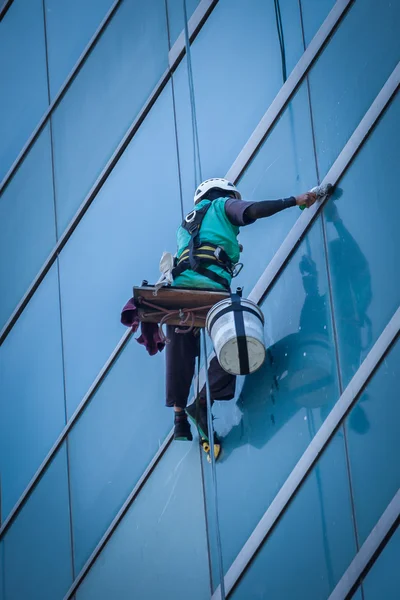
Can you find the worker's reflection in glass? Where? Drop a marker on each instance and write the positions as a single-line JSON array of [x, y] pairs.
[[300, 371]]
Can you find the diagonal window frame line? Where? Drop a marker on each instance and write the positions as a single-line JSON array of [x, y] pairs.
[[4, 8], [339, 167], [266, 124], [108, 365], [369, 551], [289, 88], [175, 55], [366, 370], [119, 516], [60, 94], [64, 433], [310, 457], [196, 22]]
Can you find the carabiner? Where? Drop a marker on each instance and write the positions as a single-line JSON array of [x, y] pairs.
[[236, 269], [190, 217]]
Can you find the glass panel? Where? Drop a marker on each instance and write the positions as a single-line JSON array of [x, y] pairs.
[[237, 73], [374, 445], [113, 442], [37, 548], [284, 403], [160, 549], [350, 73], [32, 409], [176, 21], [23, 77], [313, 544], [104, 100], [383, 580], [363, 243], [283, 167], [131, 223], [314, 14], [69, 27], [27, 225]]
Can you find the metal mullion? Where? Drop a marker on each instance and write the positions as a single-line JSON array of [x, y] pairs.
[[306, 463], [369, 551], [67, 453], [303, 223], [288, 89]]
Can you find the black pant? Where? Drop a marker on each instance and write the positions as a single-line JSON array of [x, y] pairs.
[[181, 355]]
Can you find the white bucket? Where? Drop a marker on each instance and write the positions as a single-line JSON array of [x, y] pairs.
[[236, 328]]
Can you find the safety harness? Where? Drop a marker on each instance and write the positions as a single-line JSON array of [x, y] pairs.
[[198, 257]]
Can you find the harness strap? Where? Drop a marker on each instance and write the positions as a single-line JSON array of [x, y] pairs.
[[214, 276], [202, 269], [210, 252], [241, 334], [197, 256], [192, 224], [229, 309]]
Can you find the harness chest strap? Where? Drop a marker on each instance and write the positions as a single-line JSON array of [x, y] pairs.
[[198, 256]]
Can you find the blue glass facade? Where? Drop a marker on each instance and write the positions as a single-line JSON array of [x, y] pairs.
[[103, 505]]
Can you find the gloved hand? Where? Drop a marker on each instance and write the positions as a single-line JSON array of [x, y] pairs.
[[306, 200]]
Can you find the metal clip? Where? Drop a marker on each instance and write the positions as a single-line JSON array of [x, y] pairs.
[[236, 269], [190, 217], [217, 253]]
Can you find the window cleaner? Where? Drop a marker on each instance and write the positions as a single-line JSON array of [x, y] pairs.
[[208, 258]]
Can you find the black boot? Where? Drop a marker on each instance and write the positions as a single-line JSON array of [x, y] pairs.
[[197, 412], [182, 427]]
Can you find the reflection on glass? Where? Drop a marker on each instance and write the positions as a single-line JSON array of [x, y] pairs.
[[282, 405], [284, 166], [355, 299], [300, 366], [363, 243]]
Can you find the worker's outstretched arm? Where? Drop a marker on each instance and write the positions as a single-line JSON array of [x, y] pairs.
[[266, 208]]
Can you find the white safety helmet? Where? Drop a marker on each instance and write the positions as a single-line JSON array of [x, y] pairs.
[[216, 182]]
